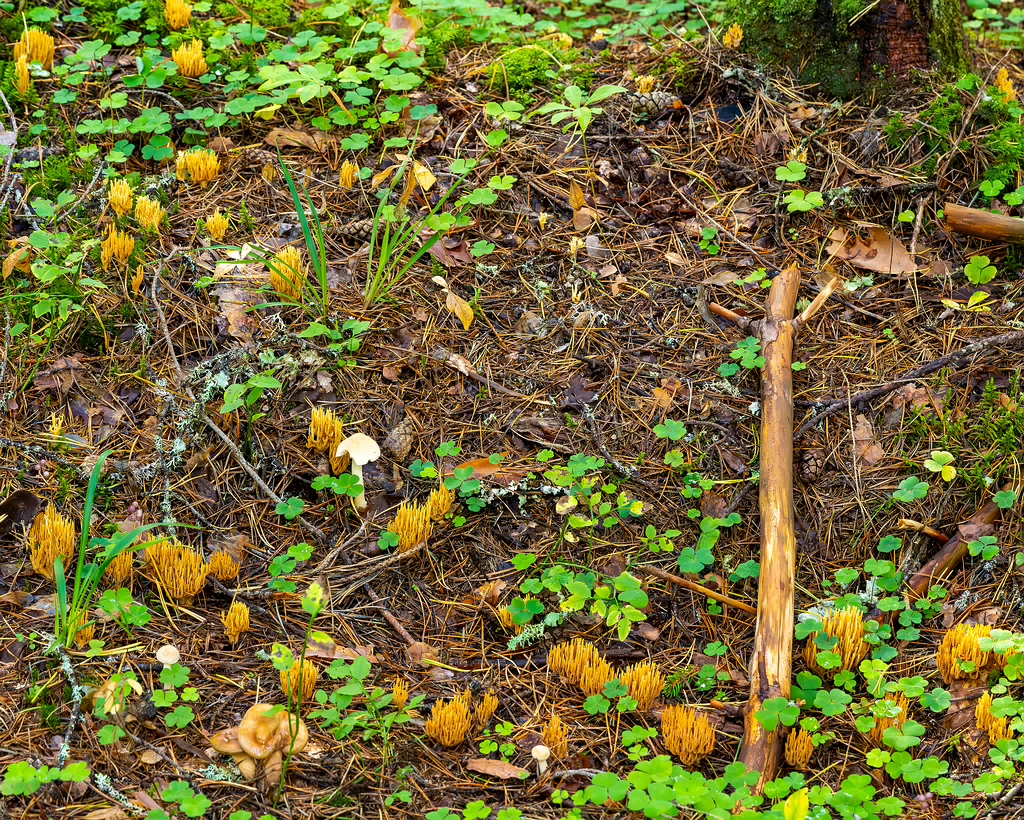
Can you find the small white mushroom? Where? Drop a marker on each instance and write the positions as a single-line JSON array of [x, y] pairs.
[[168, 655], [541, 754], [361, 450]]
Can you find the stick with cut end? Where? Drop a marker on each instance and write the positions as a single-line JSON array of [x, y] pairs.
[[983, 224]]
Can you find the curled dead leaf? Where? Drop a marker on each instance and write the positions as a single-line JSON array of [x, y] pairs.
[[868, 451], [422, 653]]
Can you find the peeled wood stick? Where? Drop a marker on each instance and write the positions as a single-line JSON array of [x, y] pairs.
[[770, 664], [694, 587], [984, 225]]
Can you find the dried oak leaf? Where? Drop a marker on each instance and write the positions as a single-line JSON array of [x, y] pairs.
[[882, 253]]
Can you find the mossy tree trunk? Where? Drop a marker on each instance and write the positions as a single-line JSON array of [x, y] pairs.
[[849, 46]]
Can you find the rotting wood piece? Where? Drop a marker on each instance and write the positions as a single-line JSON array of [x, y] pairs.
[[770, 665], [984, 224]]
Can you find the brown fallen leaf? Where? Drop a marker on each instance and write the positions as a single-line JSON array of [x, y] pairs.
[[421, 653], [322, 645], [296, 138], [235, 319], [868, 451], [882, 253], [497, 768], [482, 467], [489, 593], [399, 21], [149, 757]]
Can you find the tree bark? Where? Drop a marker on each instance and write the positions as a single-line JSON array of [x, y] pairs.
[[849, 46]]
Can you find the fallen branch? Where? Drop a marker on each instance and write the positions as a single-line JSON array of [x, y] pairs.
[[693, 587], [984, 224], [770, 665], [954, 550], [1007, 339]]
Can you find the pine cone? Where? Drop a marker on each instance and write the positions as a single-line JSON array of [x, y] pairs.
[[653, 104], [400, 440], [357, 229], [811, 465]]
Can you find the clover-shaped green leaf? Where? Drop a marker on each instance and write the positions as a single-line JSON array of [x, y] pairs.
[[941, 462]]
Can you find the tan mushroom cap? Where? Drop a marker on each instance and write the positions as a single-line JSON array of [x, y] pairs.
[[360, 447], [261, 735], [258, 731], [226, 741]]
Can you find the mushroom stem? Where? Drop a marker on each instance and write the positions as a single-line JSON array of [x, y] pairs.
[[359, 502]]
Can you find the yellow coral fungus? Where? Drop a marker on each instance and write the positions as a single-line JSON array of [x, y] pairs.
[[846, 625], [687, 733], [149, 214], [645, 682], [299, 680], [400, 693], [1004, 85], [485, 710], [323, 429], [449, 722], [596, 677], [412, 524], [83, 631], [733, 37], [960, 656], [223, 567], [217, 226], [37, 46], [349, 174], [236, 621], [180, 571], [52, 536], [799, 748], [190, 59], [119, 572], [288, 273], [570, 660], [200, 165], [506, 619], [23, 80], [177, 13], [892, 711], [556, 737], [644, 84], [118, 245], [120, 196], [440, 502]]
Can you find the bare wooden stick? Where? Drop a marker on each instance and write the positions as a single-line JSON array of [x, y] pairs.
[[770, 664], [983, 224], [694, 587]]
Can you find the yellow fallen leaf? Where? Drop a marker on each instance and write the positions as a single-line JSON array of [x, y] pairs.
[[796, 806], [383, 176], [424, 177], [576, 198], [460, 307]]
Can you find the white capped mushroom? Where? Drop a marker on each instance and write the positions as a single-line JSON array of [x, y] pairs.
[[361, 450], [541, 754], [168, 654]]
